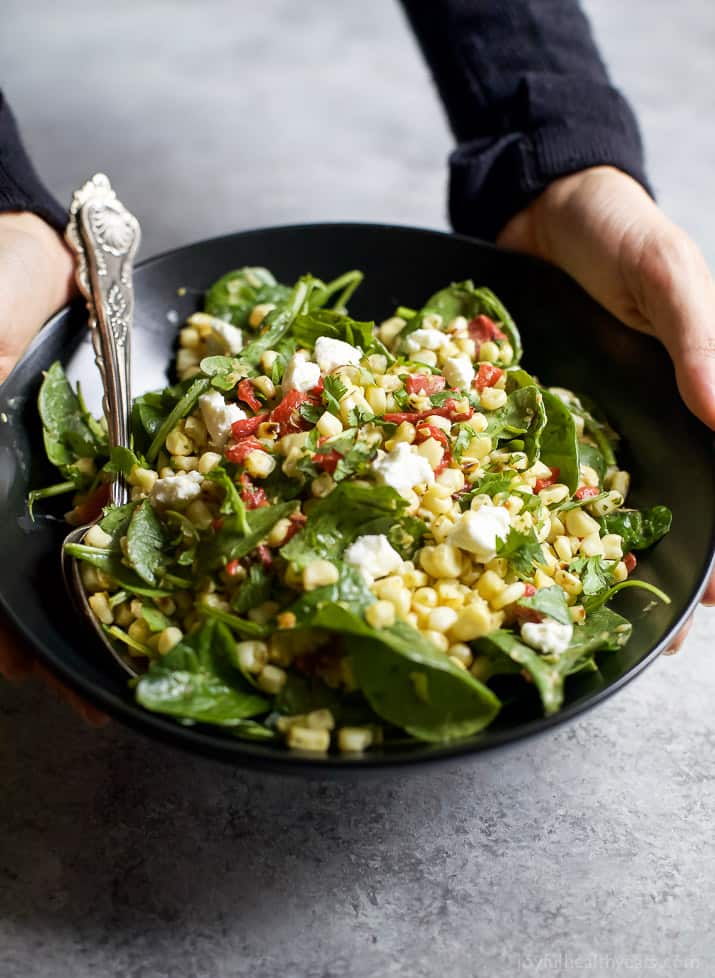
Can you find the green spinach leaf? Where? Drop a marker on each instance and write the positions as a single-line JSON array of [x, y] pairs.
[[639, 528], [559, 444], [146, 543]]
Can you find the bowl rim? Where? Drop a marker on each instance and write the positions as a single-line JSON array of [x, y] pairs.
[[254, 755]]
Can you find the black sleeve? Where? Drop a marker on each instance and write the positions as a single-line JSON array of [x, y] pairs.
[[20, 187], [528, 99]]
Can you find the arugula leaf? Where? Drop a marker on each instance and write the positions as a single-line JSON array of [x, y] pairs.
[[351, 510], [522, 550], [196, 681], [559, 445], [523, 416], [146, 543], [232, 543], [639, 528], [550, 601]]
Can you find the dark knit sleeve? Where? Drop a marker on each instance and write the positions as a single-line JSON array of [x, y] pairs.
[[20, 187], [528, 99]]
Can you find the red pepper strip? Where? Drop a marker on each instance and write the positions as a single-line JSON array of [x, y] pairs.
[[487, 376], [630, 561], [287, 415], [242, 449], [545, 483], [91, 507], [233, 567], [244, 392], [425, 431], [529, 590], [264, 555], [586, 492], [327, 461], [248, 426], [448, 410], [482, 329], [425, 384], [253, 496], [318, 389], [297, 522]]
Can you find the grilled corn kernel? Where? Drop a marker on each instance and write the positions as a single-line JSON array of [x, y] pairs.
[[405, 432], [441, 528], [208, 461], [272, 679], [611, 502], [589, 476], [259, 313], [437, 638], [354, 740], [303, 738], [554, 494], [380, 614], [474, 621], [489, 351], [577, 613], [500, 566], [428, 357], [541, 579], [185, 463], [186, 359], [569, 582], [259, 464], [189, 338], [462, 653], [144, 479], [491, 398], [510, 594], [619, 572], [96, 537], [612, 546], [328, 425], [268, 360], [580, 524], [252, 655], [177, 443], [319, 573], [435, 503], [139, 631], [432, 451], [168, 638], [451, 479], [264, 385], [122, 615], [377, 399], [99, 603], [479, 447], [196, 430], [620, 481], [388, 382], [441, 619], [490, 585], [278, 533], [442, 560], [591, 546], [562, 546]]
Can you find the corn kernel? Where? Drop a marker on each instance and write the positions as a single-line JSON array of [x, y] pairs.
[[99, 603], [200, 514], [437, 638], [144, 479], [612, 545], [319, 573], [268, 360], [562, 546], [303, 738], [589, 476], [177, 443], [580, 524], [569, 582], [442, 560], [619, 572], [328, 425], [259, 313], [272, 679], [377, 399], [510, 594], [380, 614], [426, 596], [591, 546], [208, 461], [491, 398], [412, 578], [186, 359], [479, 447], [189, 338], [462, 653], [168, 638], [473, 622], [489, 351], [96, 537], [554, 494], [451, 479], [259, 464], [354, 740], [139, 631], [490, 585], [405, 432], [441, 619], [577, 613], [620, 481], [252, 655]]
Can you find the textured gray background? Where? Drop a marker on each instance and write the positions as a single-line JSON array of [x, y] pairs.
[[585, 852]]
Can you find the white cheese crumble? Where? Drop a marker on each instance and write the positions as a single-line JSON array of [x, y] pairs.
[[459, 372], [478, 530], [179, 488], [425, 339], [373, 555], [218, 416], [549, 637], [300, 374], [402, 468], [332, 353]]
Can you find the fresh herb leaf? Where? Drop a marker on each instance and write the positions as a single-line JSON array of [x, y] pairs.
[[522, 550], [549, 601], [333, 390], [146, 543]]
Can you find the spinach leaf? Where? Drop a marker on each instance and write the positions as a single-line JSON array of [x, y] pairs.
[[522, 416], [517, 377], [182, 407], [278, 323], [522, 550], [196, 681], [68, 430], [232, 543], [115, 521], [463, 299], [559, 444], [110, 562], [232, 504], [155, 619], [146, 543], [639, 528], [324, 322], [592, 456], [598, 600], [349, 591], [351, 510], [550, 601], [256, 588], [235, 294], [406, 536], [303, 694], [594, 423]]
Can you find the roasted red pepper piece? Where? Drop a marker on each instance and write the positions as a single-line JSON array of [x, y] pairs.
[[248, 426], [244, 392], [630, 560], [586, 492], [482, 329], [242, 449], [425, 384], [253, 496], [487, 376], [327, 461], [287, 413], [545, 483]]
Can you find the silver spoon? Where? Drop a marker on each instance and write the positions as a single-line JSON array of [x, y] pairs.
[[105, 237]]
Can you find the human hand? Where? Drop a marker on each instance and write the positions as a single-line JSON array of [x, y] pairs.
[[36, 279], [602, 228]]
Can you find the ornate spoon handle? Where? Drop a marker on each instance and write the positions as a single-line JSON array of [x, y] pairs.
[[105, 237]]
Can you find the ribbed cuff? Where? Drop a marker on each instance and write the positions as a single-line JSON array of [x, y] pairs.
[[493, 178], [20, 187]]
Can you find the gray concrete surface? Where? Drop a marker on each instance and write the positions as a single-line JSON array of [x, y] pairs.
[[585, 852]]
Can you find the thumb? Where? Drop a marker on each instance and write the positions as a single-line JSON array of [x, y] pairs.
[[677, 296]]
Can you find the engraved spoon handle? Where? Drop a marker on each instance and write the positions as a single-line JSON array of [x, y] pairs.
[[105, 236]]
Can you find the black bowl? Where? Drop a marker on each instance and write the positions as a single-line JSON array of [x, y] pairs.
[[569, 341]]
